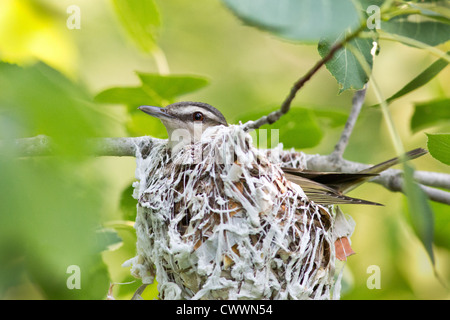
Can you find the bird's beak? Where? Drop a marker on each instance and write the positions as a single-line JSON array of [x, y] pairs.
[[156, 112]]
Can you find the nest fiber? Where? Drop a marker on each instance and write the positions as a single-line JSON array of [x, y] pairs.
[[218, 220]]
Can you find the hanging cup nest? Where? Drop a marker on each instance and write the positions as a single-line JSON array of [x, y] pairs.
[[218, 220]]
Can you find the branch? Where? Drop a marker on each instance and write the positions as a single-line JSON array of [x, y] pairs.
[[36, 146], [118, 147], [391, 179], [286, 105], [434, 179], [357, 102]]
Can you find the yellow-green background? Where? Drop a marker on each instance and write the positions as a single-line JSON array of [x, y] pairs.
[[249, 70]]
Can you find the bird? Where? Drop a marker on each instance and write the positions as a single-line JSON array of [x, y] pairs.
[[186, 121]]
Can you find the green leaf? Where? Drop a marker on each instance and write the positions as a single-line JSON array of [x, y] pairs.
[[170, 86], [130, 96], [156, 89], [141, 20], [331, 118], [439, 146], [428, 32], [423, 78], [420, 211], [298, 129], [442, 225], [128, 204], [344, 65], [141, 124], [43, 101], [430, 113], [52, 281], [302, 20], [433, 9], [106, 239]]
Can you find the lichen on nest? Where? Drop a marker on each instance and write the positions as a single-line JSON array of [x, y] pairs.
[[218, 220]]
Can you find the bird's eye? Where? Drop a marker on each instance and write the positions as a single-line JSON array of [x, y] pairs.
[[198, 116]]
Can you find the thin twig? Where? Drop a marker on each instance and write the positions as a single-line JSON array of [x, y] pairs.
[[138, 293], [286, 105], [357, 102]]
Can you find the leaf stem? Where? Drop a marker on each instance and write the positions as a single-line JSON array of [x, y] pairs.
[[161, 61], [399, 149]]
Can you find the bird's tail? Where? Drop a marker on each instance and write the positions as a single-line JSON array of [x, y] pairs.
[[329, 187]]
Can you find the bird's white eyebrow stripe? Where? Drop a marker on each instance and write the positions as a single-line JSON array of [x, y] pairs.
[[191, 109]]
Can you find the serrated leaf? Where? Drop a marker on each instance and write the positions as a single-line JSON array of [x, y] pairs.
[[439, 146], [430, 113], [141, 20], [344, 66], [302, 20], [421, 214]]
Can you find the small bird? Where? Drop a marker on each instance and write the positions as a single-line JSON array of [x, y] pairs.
[[186, 121]]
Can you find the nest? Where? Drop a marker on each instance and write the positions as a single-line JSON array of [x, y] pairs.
[[218, 220]]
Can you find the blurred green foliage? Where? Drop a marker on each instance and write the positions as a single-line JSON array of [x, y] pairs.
[[141, 20], [156, 90], [69, 209], [302, 129], [430, 113], [50, 206]]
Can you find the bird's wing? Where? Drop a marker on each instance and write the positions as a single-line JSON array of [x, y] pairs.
[[343, 182], [322, 194], [336, 180]]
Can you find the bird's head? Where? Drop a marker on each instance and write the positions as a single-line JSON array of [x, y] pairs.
[[186, 121]]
